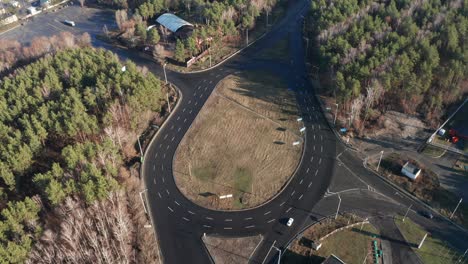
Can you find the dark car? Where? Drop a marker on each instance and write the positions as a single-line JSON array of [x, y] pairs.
[[427, 214]]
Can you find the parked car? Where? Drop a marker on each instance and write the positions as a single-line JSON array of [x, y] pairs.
[[69, 22], [427, 214], [290, 222]]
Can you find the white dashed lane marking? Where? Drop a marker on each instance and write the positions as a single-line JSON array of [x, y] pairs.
[[267, 213], [159, 194], [186, 219], [310, 184], [316, 172], [190, 212], [301, 181], [170, 209], [248, 218], [167, 191], [227, 228], [177, 203], [227, 220], [250, 226], [289, 209], [293, 192], [271, 220], [209, 218], [154, 180], [207, 226], [282, 203], [300, 197], [307, 171]]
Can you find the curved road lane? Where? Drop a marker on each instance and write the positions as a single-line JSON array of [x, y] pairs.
[[179, 222]]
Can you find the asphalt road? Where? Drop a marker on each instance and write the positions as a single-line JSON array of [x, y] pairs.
[[179, 223], [50, 23]]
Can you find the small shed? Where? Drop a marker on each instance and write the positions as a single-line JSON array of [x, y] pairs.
[[179, 27], [410, 170]]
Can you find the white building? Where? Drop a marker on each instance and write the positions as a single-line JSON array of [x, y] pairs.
[[15, 3], [8, 20], [410, 171], [32, 10]]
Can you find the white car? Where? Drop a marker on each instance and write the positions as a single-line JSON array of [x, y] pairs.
[[290, 222], [70, 23]]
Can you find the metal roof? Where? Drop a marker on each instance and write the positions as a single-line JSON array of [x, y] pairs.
[[172, 22]]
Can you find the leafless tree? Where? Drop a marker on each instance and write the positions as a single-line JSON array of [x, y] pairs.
[[356, 107], [164, 32], [81, 2], [105, 30], [120, 18], [374, 92], [84, 40]]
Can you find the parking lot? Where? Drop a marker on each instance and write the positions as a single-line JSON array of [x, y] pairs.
[[50, 23]]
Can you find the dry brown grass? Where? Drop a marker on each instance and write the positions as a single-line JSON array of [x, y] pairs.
[[240, 143], [231, 250], [301, 250]]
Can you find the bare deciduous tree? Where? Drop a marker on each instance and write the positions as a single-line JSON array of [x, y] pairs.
[[120, 18], [81, 2], [356, 107]]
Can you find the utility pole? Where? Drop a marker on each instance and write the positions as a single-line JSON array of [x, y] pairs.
[[190, 169], [141, 197], [247, 35], [378, 165], [459, 202], [336, 113], [141, 151], [422, 241], [164, 68], [407, 212], [339, 203], [168, 103]]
